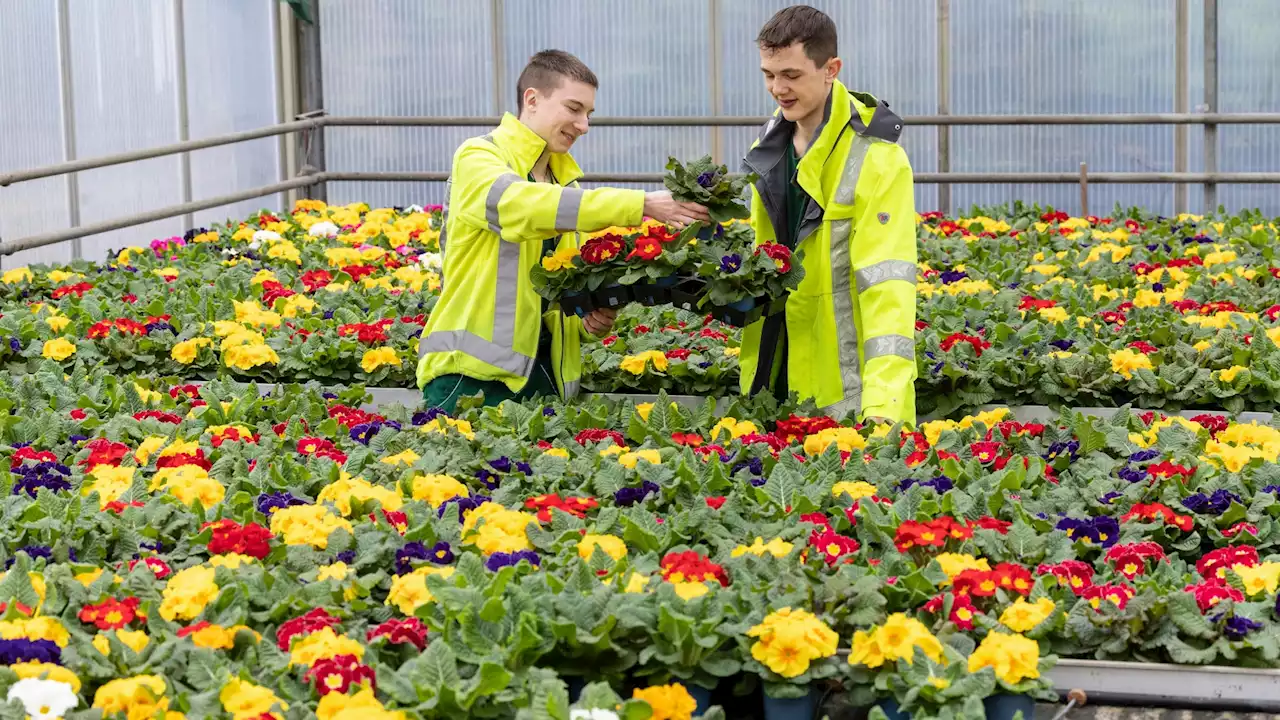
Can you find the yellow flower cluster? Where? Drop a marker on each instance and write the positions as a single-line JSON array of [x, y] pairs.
[[1126, 361], [1264, 578], [560, 260], [502, 530], [246, 701], [635, 364], [610, 545], [37, 628], [409, 592], [896, 639], [1022, 616], [48, 671], [135, 640], [306, 525], [378, 357], [1240, 443], [346, 488], [189, 483], [845, 438], [442, 425], [109, 482], [187, 592], [668, 702], [363, 705], [322, 645], [1013, 657], [629, 460], [855, 490], [187, 351], [217, 637], [955, 563], [789, 640], [733, 429], [58, 349], [140, 696], [436, 489], [776, 547]]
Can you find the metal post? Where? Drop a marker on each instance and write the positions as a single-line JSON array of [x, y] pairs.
[[312, 100], [1210, 101], [184, 119], [1084, 189], [68, 122], [1181, 99], [944, 101], [496, 47], [282, 35], [716, 77]]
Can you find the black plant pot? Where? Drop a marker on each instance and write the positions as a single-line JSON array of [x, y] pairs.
[[686, 294], [654, 293], [580, 304], [611, 297]]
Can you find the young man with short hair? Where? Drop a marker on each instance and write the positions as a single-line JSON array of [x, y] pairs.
[[513, 196], [835, 184]]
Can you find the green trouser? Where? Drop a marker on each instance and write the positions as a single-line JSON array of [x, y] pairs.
[[445, 391]]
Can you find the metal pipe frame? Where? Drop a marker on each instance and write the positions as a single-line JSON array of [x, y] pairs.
[[1048, 178]]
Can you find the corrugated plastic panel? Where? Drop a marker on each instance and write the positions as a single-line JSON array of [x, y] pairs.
[[231, 86], [31, 125]]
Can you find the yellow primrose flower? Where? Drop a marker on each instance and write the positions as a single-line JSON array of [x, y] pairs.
[[1126, 361], [1229, 374], [631, 459], [58, 349]]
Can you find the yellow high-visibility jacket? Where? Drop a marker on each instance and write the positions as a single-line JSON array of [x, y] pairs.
[[486, 323], [849, 327]]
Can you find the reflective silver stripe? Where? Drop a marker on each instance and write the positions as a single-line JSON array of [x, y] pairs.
[[838, 411], [567, 209], [505, 297], [489, 137], [499, 186], [571, 389], [477, 347], [841, 293], [884, 271], [900, 345]]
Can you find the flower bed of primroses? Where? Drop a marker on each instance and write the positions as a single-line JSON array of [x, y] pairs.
[[209, 551]]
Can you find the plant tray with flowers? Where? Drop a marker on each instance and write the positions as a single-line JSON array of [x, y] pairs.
[[745, 281]]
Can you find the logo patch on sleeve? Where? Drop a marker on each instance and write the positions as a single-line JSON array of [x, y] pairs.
[[883, 218]]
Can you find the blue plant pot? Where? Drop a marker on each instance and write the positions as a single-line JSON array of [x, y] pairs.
[[892, 710], [576, 685], [1005, 706], [744, 305], [576, 304], [701, 696], [668, 281], [801, 708], [706, 232]]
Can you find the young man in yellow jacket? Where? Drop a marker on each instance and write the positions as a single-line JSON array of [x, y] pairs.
[[835, 184], [513, 196]]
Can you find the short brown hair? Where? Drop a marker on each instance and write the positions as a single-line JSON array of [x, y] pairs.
[[548, 69], [801, 24]]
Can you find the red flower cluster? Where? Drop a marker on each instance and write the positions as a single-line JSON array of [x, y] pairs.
[[350, 416], [691, 566], [1166, 469], [313, 280], [1031, 303], [338, 674], [1210, 593], [780, 254], [1213, 565], [359, 271], [315, 619], [78, 289], [833, 546], [715, 503], [1239, 528], [1211, 308], [692, 440], [230, 536], [1144, 347], [158, 415], [962, 609], [1130, 559], [27, 453], [1054, 217], [233, 435], [368, 333], [677, 354], [157, 566], [1074, 574], [796, 428], [976, 342], [321, 447], [595, 435], [397, 632], [1117, 593], [111, 614], [185, 459], [124, 326], [1149, 512], [601, 249], [984, 583], [647, 247], [273, 291], [191, 391], [934, 533], [104, 452], [1213, 423], [990, 523], [575, 506]]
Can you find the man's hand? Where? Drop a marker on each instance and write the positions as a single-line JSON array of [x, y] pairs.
[[599, 322], [665, 209]]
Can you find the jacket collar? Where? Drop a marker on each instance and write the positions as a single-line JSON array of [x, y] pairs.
[[525, 147], [778, 133]]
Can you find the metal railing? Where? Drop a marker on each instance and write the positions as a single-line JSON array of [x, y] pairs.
[[313, 175]]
